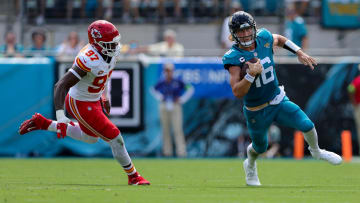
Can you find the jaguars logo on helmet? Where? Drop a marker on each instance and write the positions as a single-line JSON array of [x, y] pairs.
[[240, 21]]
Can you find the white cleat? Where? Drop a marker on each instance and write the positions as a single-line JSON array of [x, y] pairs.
[[322, 154], [251, 176]]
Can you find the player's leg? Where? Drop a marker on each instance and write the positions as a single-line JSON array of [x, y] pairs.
[[36, 122], [357, 121], [121, 155], [165, 125], [93, 121], [176, 122], [39, 122], [291, 115], [257, 122], [77, 131]]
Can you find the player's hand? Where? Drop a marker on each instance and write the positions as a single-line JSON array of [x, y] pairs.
[[306, 59], [105, 104], [255, 68], [62, 123]]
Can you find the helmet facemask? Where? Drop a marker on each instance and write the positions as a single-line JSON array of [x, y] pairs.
[[241, 40], [111, 48]]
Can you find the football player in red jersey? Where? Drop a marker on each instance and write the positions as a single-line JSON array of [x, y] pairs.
[[83, 91]]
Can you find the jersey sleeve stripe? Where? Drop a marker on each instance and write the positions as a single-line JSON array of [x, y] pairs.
[[82, 66]]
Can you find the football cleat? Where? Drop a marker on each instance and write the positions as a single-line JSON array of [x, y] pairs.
[[322, 154], [136, 179], [251, 176], [37, 122]]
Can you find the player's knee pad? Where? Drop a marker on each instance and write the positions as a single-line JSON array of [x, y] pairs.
[[306, 125]]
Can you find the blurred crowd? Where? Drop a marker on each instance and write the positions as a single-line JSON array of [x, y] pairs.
[[133, 11], [71, 46], [150, 11], [11, 48]]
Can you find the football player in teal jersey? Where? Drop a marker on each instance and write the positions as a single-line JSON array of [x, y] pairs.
[[264, 101]]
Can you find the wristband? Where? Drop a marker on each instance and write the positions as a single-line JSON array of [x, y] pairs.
[[60, 114], [249, 78], [291, 46]]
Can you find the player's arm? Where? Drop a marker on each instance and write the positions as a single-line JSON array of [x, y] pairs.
[[64, 84], [60, 90], [240, 87], [105, 100], [287, 44]]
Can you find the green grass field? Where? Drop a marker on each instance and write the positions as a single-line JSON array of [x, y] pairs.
[[194, 180]]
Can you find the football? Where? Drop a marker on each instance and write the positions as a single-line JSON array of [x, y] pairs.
[[245, 66]]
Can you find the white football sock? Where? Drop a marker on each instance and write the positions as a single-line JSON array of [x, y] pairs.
[[52, 126], [121, 155], [312, 139], [76, 133], [252, 155]]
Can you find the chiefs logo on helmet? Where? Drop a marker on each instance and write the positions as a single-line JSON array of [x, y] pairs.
[[104, 37], [95, 33]]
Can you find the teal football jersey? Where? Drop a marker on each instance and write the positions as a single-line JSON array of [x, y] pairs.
[[265, 87]]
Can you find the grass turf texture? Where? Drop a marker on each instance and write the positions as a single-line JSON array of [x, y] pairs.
[[194, 180]]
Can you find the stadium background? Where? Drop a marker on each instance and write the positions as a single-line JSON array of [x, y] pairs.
[[213, 119]]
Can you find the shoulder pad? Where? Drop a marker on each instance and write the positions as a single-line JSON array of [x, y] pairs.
[[87, 59], [264, 34], [233, 57]]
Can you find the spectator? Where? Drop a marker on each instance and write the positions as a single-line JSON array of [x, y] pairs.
[[169, 47], [93, 8], [172, 93], [108, 9], [131, 8], [39, 6], [11, 48], [71, 46], [301, 5], [38, 47], [354, 94], [225, 33], [162, 8], [295, 27]]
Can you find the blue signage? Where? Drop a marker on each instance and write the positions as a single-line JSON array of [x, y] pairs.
[[341, 14], [210, 80]]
